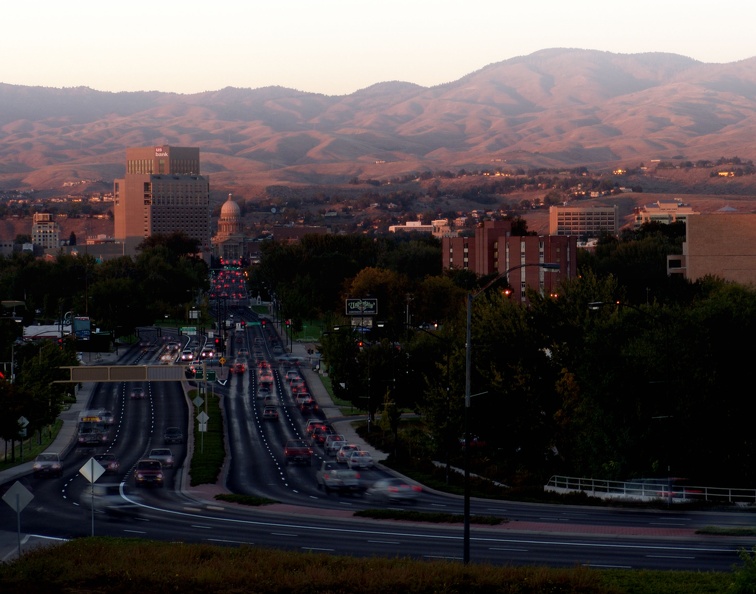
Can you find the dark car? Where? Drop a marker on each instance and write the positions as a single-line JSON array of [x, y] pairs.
[[149, 472], [173, 435], [109, 462], [47, 464]]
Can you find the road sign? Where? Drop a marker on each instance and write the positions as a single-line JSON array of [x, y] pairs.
[[211, 376], [92, 470], [199, 373], [222, 360], [189, 330], [18, 497], [198, 401], [203, 417]]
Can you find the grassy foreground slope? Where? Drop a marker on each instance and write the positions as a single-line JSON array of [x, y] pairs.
[[93, 565]]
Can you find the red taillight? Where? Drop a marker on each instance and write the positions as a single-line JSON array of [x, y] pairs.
[[416, 488]]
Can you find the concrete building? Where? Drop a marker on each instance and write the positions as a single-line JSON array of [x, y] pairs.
[[663, 212], [720, 245], [162, 193], [45, 231], [584, 221]]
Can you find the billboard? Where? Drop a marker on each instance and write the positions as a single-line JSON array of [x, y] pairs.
[[81, 328], [362, 307]]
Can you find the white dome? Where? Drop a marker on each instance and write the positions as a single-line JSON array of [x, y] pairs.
[[230, 210]]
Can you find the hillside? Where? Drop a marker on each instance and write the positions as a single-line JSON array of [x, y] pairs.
[[554, 108]]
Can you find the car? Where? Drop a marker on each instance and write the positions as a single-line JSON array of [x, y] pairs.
[[207, 353], [187, 355], [173, 435], [109, 462], [107, 417], [360, 459], [137, 393], [333, 443], [106, 498], [319, 434], [313, 424], [149, 472], [394, 490], [163, 455], [240, 365], [342, 455], [270, 413], [48, 464]]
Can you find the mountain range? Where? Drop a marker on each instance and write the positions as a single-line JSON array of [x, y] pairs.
[[553, 108]]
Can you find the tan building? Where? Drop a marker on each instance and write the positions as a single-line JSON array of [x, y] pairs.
[[720, 245], [162, 192], [663, 212], [584, 221], [45, 231]]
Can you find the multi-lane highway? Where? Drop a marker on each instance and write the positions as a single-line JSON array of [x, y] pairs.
[[308, 518]]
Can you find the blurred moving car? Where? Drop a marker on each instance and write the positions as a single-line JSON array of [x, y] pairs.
[[106, 498], [394, 490], [345, 451], [107, 417], [164, 455], [333, 443], [137, 393], [109, 462], [173, 435], [270, 412], [47, 464], [148, 472], [360, 459]]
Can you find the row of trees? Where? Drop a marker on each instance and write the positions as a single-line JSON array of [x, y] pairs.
[[626, 372], [118, 295]]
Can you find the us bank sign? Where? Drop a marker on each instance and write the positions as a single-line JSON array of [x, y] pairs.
[[361, 307]]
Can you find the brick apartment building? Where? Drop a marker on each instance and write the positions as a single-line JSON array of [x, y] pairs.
[[493, 250]]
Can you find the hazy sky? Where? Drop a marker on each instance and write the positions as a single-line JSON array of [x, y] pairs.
[[336, 47]]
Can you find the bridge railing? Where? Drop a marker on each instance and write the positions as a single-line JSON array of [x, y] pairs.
[[649, 489]]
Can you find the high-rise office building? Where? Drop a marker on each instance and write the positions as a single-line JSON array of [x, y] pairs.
[[161, 193]]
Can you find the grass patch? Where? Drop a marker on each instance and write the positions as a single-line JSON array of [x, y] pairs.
[[418, 516], [209, 446], [245, 499], [125, 565], [32, 446], [721, 531]]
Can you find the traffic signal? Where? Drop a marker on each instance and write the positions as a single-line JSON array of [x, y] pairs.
[[244, 323], [288, 322], [217, 341], [264, 323]]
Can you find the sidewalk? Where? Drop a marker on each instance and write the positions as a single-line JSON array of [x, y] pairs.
[[64, 441]]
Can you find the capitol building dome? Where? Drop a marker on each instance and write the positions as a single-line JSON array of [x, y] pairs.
[[229, 222]]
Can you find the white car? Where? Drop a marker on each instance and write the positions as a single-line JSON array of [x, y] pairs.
[[345, 451], [164, 455], [333, 443], [360, 459]]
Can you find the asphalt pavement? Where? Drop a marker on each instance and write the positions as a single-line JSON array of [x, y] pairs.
[[64, 442]]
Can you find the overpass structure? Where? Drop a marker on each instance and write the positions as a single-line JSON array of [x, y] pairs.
[[131, 373]]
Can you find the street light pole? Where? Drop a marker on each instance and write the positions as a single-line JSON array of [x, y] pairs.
[[468, 366]]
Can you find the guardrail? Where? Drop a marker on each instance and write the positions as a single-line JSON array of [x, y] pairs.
[[650, 489]]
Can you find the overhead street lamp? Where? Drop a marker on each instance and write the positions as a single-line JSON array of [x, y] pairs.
[[468, 358]]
